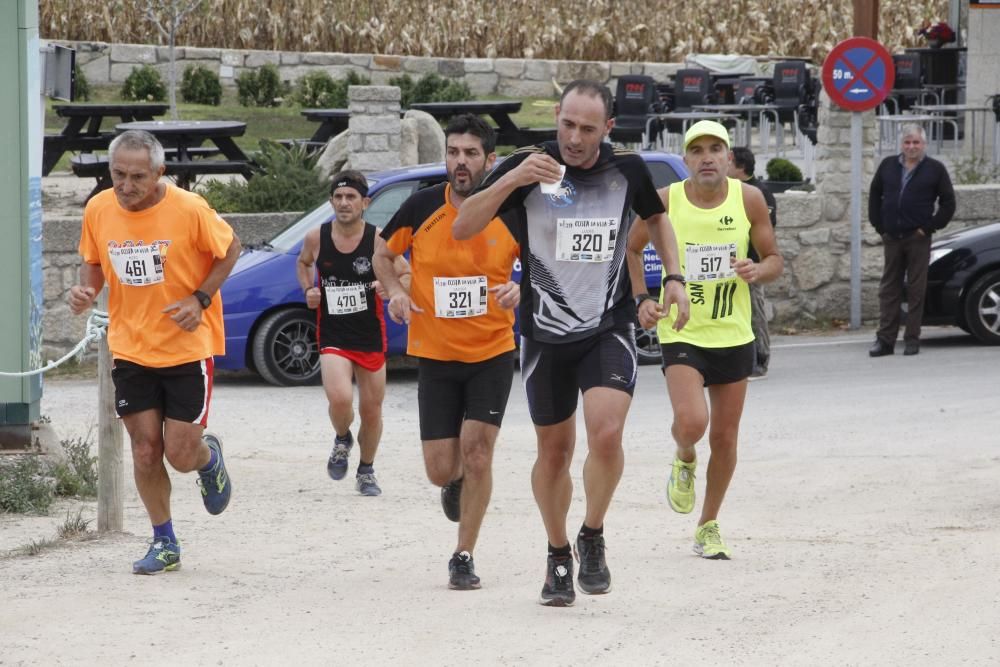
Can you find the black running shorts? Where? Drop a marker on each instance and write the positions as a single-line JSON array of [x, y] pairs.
[[179, 392], [718, 365], [555, 373], [449, 392]]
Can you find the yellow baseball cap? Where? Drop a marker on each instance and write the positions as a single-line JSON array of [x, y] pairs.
[[706, 128]]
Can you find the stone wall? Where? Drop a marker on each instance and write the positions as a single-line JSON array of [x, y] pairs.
[[106, 64]]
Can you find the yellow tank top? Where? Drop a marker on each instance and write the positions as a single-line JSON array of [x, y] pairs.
[[706, 239]]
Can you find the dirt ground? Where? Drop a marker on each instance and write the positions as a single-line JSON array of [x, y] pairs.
[[862, 519]]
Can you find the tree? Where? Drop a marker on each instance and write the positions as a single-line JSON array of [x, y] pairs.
[[167, 16]]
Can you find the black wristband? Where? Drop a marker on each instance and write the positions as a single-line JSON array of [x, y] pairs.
[[673, 276]]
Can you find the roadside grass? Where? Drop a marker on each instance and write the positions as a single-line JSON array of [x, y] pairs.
[[74, 529]]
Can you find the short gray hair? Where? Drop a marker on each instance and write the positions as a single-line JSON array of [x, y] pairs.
[[913, 128], [137, 140]]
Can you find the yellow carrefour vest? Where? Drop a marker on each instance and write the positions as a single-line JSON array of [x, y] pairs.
[[707, 239]]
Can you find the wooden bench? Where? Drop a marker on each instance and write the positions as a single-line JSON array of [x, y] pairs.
[[87, 165]]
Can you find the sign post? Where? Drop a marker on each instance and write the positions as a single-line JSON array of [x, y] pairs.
[[857, 75]]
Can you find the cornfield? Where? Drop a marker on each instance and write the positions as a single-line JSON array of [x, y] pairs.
[[617, 30]]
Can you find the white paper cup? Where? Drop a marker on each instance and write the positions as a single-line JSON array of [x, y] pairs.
[[552, 188]]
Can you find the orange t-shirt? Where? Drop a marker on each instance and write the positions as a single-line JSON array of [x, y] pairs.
[[448, 280], [150, 259]]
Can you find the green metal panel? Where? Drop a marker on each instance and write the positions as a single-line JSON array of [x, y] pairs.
[[20, 214]]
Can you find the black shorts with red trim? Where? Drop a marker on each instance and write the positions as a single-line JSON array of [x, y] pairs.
[[182, 392]]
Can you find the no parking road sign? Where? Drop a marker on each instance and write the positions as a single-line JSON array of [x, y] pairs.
[[858, 74]]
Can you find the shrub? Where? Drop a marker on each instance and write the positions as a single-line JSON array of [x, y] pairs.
[[261, 87], [430, 88], [200, 85], [77, 476], [25, 486], [145, 85], [318, 89], [781, 170], [81, 91], [284, 179]]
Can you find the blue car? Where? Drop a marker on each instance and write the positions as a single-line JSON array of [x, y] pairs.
[[268, 327]]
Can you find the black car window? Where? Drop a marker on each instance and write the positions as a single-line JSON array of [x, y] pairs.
[[663, 174], [387, 201]]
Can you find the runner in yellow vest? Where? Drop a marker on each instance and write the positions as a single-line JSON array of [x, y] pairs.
[[714, 218]]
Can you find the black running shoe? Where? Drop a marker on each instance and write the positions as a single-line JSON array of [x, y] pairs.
[[462, 572], [594, 577], [451, 495], [558, 589]]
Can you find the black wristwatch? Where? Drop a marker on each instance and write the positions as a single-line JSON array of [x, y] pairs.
[[673, 276], [204, 299], [643, 297]]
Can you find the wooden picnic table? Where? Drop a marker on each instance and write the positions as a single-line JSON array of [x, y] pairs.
[[185, 158], [331, 123], [508, 133], [82, 131]]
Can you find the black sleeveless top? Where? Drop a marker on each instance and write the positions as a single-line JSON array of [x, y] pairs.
[[347, 277]]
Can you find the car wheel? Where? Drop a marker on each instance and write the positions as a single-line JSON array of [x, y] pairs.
[[285, 352], [982, 309], [647, 345]]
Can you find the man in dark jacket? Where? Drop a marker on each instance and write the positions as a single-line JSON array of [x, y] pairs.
[[901, 208], [742, 167]]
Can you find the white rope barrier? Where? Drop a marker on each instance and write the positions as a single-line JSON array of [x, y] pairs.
[[97, 326]]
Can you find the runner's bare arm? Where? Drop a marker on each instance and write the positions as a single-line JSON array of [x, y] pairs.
[[477, 211], [384, 261], [91, 281], [186, 313], [305, 268], [661, 233], [762, 237], [508, 295]]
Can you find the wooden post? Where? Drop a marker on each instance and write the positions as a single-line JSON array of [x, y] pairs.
[[110, 474], [866, 18]]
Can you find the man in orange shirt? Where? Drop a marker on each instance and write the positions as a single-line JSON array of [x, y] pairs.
[[460, 314], [164, 253]]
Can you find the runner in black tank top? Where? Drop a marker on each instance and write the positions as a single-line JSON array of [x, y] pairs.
[[350, 313], [351, 330]]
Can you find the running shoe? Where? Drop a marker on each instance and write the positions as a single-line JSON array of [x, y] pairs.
[[708, 542], [215, 485], [594, 577], [451, 496], [680, 487], [558, 589], [367, 485], [462, 572], [336, 467], [163, 556]]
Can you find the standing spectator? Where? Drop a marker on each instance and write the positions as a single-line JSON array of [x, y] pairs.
[[901, 208], [742, 168]]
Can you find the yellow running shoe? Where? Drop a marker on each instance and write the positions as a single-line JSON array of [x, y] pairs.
[[708, 542], [680, 486]]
